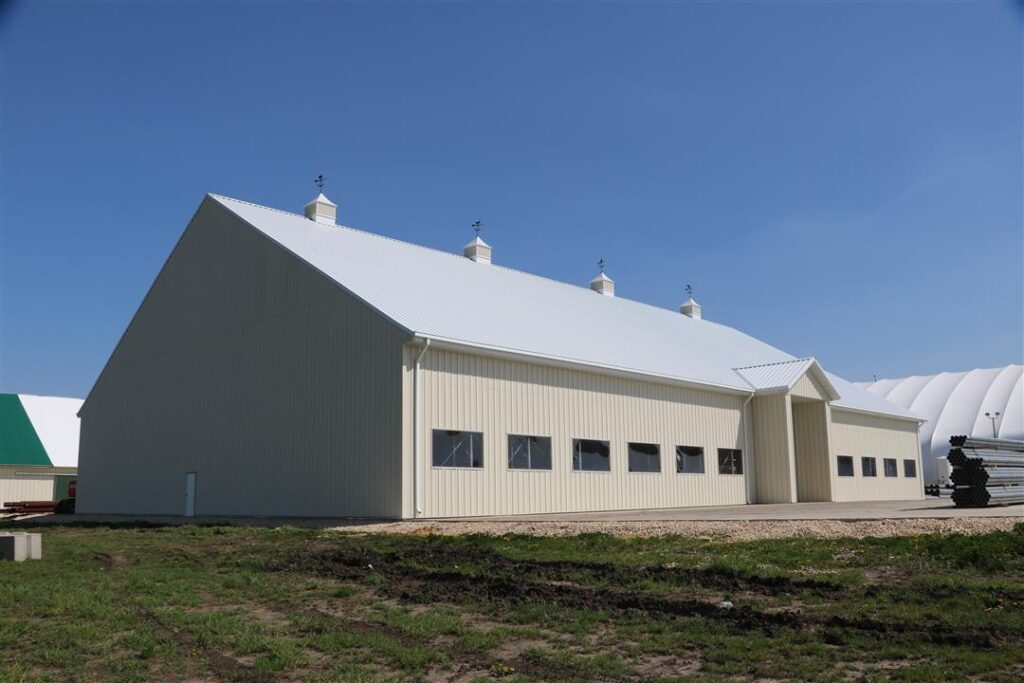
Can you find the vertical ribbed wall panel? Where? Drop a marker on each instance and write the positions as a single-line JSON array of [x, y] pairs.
[[282, 392], [859, 435], [500, 397], [811, 450], [19, 483], [773, 436], [808, 387]]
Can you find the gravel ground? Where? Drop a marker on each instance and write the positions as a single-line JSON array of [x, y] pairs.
[[736, 531]]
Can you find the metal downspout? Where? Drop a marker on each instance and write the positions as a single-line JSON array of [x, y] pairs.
[[746, 449], [417, 447]]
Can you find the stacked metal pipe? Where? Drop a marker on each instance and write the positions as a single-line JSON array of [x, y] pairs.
[[986, 471]]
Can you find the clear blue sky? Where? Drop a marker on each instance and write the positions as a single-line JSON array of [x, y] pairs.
[[840, 180]]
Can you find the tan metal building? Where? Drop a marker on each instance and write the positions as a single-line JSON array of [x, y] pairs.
[[284, 365]]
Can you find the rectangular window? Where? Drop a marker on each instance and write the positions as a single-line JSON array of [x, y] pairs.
[[889, 464], [589, 455], [529, 452], [868, 467], [730, 461], [644, 457], [458, 449], [689, 460], [845, 465], [910, 468]]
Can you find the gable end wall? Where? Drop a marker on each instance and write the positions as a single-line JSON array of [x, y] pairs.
[[243, 364]]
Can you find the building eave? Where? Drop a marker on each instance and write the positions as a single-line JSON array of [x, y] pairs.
[[570, 364]]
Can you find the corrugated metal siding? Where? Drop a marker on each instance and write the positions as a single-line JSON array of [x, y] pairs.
[[499, 397], [280, 391], [773, 439], [28, 483], [809, 387], [811, 450], [861, 435]]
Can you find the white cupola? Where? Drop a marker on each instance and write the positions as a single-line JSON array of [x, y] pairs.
[[322, 210], [477, 250], [602, 284], [690, 307]]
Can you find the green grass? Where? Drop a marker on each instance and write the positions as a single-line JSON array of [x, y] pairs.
[[144, 602]]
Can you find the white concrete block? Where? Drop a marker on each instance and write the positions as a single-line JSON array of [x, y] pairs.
[[35, 546], [14, 546]]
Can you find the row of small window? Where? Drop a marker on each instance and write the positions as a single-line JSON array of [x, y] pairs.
[[869, 467], [466, 449]]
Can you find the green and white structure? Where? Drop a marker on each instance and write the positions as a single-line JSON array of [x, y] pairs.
[[38, 446]]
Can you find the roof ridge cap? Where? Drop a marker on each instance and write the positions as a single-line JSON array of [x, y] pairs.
[[526, 273], [778, 362]]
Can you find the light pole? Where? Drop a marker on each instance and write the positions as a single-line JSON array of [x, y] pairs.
[[993, 416]]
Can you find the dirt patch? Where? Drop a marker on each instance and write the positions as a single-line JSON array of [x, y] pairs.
[[412, 578], [223, 667], [354, 565], [668, 665]]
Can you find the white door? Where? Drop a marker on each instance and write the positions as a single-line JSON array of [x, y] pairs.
[[190, 494]]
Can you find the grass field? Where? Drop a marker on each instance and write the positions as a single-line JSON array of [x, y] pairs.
[[229, 603]]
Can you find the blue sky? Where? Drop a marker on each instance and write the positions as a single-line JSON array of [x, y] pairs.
[[840, 180]]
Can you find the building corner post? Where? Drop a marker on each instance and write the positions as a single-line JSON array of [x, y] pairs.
[[747, 456], [417, 441]]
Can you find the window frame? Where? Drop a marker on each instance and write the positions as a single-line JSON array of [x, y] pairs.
[[572, 453], [508, 453], [736, 455], [703, 461], [853, 468], [629, 453], [895, 468], [913, 465], [433, 463], [864, 460]]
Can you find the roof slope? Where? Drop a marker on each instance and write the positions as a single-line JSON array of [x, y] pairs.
[[448, 297], [19, 443]]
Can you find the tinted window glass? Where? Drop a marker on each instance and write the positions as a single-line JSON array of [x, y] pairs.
[[730, 461], [458, 449], [890, 467], [689, 460], [910, 468], [644, 457], [845, 465], [868, 467], [589, 455], [529, 452]]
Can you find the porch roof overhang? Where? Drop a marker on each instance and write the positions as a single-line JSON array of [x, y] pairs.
[[779, 378]]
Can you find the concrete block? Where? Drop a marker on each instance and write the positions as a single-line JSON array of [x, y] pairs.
[[35, 546], [14, 546]]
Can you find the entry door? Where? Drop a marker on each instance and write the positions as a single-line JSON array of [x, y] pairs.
[[190, 494]]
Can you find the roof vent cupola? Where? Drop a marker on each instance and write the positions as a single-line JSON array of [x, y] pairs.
[[690, 307], [477, 250], [322, 209], [602, 284]]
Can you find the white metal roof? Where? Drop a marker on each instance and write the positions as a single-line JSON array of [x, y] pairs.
[[782, 376], [447, 297], [55, 420], [955, 403]]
